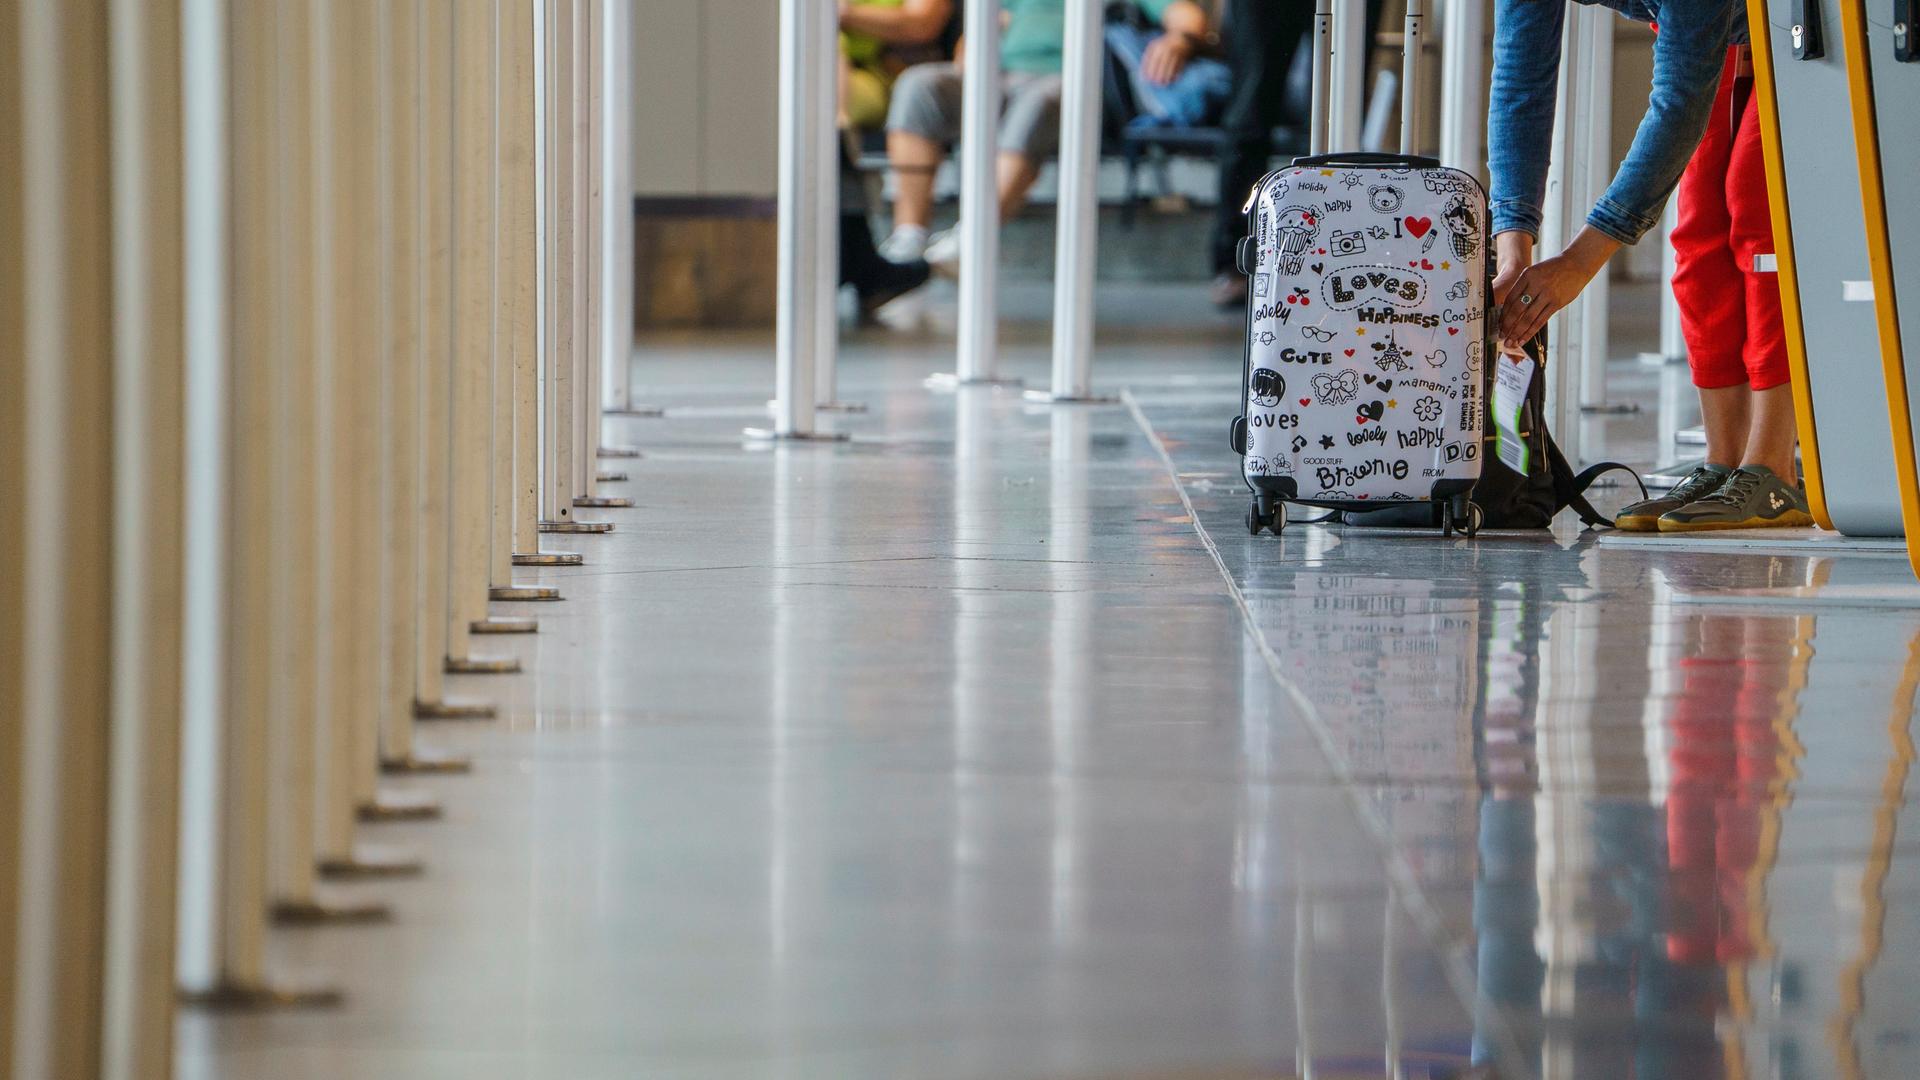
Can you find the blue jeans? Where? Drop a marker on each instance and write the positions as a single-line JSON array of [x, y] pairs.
[[1195, 96]]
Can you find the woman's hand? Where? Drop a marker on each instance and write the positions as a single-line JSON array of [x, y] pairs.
[[1532, 296], [1166, 57]]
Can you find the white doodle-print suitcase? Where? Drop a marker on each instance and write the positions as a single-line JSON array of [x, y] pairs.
[[1366, 337], [1364, 373]]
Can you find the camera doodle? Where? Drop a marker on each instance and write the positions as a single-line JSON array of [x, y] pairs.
[[1347, 243]]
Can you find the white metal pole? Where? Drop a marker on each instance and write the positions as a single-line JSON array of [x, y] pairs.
[[515, 326], [1412, 88], [1077, 231], [227, 689], [795, 309], [590, 50], [149, 385], [474, 195], [1463, 84], [65, 380], [618, 183], [1317, 123], [826, 249], [608, 216], [1595, 301], [417, 388], [437, 381], [978, 358], [1347, 76]]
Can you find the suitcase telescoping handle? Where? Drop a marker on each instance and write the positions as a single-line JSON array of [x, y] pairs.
[[1370, 157], [1320, 122]]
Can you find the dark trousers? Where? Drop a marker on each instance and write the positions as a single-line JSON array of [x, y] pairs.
[[1261, 38]]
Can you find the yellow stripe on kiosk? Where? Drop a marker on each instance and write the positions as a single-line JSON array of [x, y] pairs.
[[1861, 79], [1763, 96]]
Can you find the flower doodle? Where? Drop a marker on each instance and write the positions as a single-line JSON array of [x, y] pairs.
[[1427, 409]]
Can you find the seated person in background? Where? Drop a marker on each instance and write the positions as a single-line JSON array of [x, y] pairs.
[[878, 39], [925, 115]]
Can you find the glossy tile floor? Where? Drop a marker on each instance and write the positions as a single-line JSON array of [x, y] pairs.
[[988, 745]]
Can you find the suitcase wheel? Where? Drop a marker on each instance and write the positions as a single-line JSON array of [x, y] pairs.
[[1461, 515], [1272, 516]]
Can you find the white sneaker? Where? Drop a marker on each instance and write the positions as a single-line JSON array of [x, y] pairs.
[[906, 244], [943, 250]]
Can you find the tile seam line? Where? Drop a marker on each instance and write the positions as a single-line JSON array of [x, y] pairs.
[[1414, 898]]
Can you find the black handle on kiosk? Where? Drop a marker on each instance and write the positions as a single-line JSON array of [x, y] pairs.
[[1805, 26], [1903, 31], [1371, 157]]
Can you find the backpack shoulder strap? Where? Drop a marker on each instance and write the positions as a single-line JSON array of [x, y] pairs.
[[1570, 489]]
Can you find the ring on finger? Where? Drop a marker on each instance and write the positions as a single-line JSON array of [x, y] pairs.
[[1526, 299]]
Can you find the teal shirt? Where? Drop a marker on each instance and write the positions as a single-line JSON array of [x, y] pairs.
[[1035, 29]]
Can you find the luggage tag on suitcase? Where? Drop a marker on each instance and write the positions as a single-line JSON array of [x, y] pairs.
[[1512, 379]]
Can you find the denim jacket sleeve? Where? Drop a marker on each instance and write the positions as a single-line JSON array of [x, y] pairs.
[[1688, 55], [1526, 72]]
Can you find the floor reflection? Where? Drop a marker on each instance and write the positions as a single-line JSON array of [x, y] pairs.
[[1663, 833]]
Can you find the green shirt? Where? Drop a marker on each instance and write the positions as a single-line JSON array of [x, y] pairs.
[[1035, 29]]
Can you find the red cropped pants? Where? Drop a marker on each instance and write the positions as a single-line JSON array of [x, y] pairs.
[[1729, 312]]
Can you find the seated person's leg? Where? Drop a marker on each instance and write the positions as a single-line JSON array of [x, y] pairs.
[[863, 97], [923, 119], [1029, 135]]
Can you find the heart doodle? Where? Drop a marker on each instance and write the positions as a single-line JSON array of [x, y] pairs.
[[1385, 385], [1349, 352], [1318, 268], [1373, 410], [1425, 265], [1306, 401], [1370, 377], [1451, 330], [1418, 226]]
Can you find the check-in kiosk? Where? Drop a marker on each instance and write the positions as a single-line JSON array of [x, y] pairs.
[[1802, 88], [1882, 47]]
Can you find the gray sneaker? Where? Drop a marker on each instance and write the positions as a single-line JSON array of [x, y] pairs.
[[1754, 497], [1644, 516]]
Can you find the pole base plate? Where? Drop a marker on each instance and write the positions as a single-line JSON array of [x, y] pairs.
[[501, 624], [951, 380], [768, 435], [424, 762], [453, 709], [322, 910], [389, 805], [575, 526], [523, 592], [483, 665], [618, 452], [548, 558], [371, 861], [602, 502], [1048, 397], [263, 997]]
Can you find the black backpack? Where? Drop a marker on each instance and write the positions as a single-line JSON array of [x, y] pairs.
[[1512, 500]]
